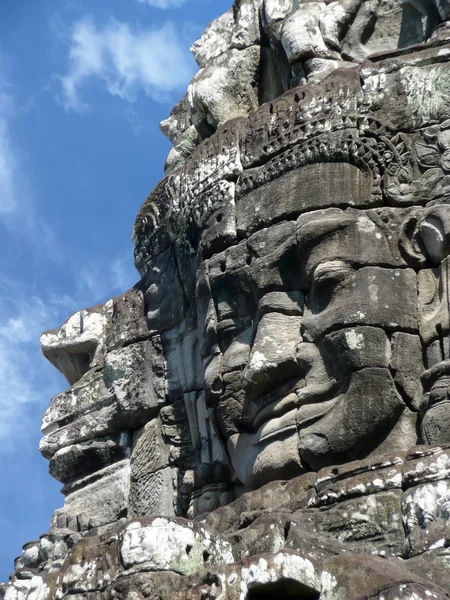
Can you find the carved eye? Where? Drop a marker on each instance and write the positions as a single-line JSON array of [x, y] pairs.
[[334, 270], [327, 277]]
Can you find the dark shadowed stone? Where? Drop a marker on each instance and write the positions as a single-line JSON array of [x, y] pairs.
[[78, 460]]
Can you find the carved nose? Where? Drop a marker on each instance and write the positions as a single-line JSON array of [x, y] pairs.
[[273, 355], [73, 347]]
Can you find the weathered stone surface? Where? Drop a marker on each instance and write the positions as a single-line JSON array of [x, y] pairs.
[[369, 524], [359, 478], [77, 345], [185, 144], [154, 495], [426, 516], [225, 89], [300, 34], [127, 324], [237, 28], [153, 481], [407, 365], [426, 465], [100, 502], [183, 361], [126, 393], [163, 284], [301, 190], [169, 545], [78, 460], [285, 496], [376, 27], [433, 565]]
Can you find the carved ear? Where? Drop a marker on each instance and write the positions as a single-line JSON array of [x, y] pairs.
[[425, 235]]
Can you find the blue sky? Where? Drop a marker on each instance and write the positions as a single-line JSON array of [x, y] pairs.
[[83, 87]]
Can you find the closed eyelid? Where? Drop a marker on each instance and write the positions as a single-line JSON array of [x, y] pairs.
[[330, 270]]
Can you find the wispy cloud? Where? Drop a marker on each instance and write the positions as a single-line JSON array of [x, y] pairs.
[[164, 4], [100, 279], [124, 61], [9, 162], [24, 384], [26, 381]]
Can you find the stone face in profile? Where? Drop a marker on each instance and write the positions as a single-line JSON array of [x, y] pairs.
[[281, 371], [314, 302], [311, 305]]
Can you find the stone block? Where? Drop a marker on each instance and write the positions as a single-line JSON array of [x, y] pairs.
[[78, 345], [301, 190], [97, 503], [407, 365], [426, 515], [172, 545], [366, 525], [124, 395], [426, 464], [164, 296], [182, 355], [358, 478], [128, 321], [369, 296], [301, 36], [224, 89], [153, 493], [77, 460]]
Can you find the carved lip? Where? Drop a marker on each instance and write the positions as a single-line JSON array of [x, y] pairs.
[[276, 409], [312, 412], [295, 410], [276, 426], [276, 401], [293, 420]]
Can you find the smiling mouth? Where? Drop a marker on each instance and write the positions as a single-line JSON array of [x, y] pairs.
[[288, 411]]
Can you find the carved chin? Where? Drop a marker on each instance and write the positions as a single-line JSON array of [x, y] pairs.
[[258, 462]]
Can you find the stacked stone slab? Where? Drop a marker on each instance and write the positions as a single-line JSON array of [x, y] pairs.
[[266, 413], [322, 535]]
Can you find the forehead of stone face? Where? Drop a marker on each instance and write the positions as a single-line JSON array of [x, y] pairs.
[[305, 189]]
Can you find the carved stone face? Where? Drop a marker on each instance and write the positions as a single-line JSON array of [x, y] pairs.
[[289, 318], [308, 328]]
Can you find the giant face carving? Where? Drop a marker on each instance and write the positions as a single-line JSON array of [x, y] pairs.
[[306, 328], [297, 317]]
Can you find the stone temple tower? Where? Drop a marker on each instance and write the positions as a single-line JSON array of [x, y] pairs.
[[266, 413]]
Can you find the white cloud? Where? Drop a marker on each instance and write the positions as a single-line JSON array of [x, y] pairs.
[[163, 3], [124, 61], [25, 323]]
